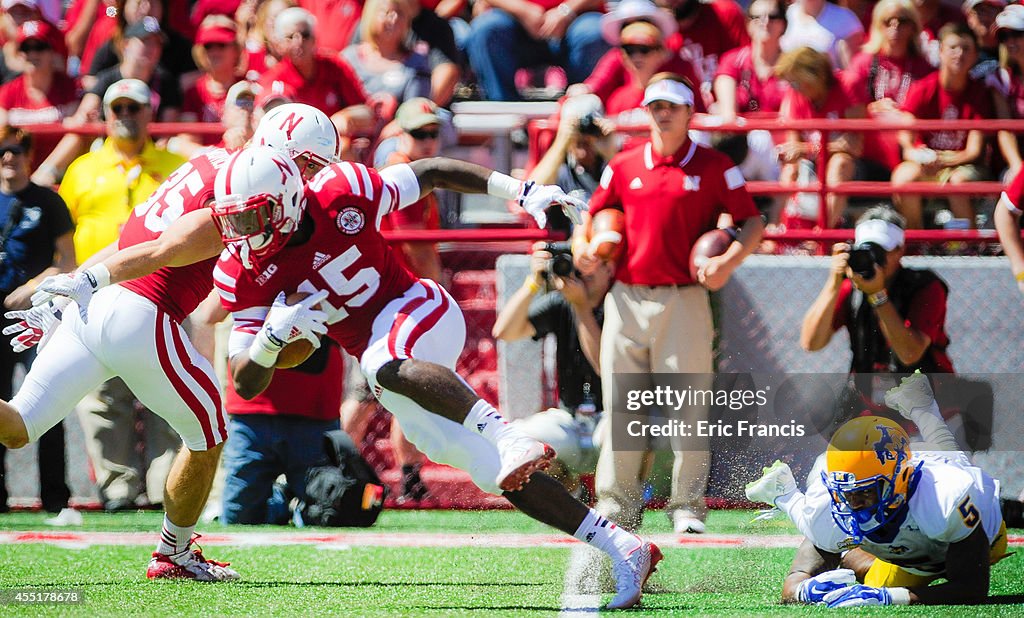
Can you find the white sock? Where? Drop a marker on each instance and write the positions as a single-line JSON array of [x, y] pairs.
[[486, 421], [174, 539], [598, 531]]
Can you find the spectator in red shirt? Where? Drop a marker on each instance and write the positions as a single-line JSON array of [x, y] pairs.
[[89, 24], [42, 94], [256, 22], [816, 92], [657, 316], [746, 83], [338, 20], [218, 53], [619, 77], [706, 31], [1008, 84], [885, 68], [324, 81], [16, 13], [946, 156], [506, 35]]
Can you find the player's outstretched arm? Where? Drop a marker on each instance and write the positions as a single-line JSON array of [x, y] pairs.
[[465, 177], [191, 238], [967, 574], [808, 563]]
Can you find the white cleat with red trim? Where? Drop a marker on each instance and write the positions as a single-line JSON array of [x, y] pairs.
[[190, 564], [632, 573], [521, 456]]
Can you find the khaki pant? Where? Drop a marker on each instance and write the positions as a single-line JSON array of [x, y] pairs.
[[108, 421], [653, 330]]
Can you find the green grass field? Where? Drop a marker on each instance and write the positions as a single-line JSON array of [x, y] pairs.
[[303, 580]]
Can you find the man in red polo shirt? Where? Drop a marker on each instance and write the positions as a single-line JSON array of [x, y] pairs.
[[325, 82], [657, 318]]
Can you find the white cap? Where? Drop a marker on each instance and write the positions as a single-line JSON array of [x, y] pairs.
[[636, 10], [668, 90], [133, 89], [884, 234], [1011, 18]]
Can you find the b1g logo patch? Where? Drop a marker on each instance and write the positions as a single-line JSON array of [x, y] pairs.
[[351, 220]]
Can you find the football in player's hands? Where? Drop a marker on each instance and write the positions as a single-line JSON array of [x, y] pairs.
[[296, 352]]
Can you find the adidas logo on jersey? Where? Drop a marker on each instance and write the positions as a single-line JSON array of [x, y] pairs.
[[636, 183], [480, 427], [319, 259]]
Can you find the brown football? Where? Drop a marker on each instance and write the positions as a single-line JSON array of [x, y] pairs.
[[710, 244], [296, 352], [608, 234]]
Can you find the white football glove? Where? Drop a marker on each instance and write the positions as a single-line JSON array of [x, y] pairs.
[[536, 199], [776, 482], [35, 325], [79, 287], [815, 589], [288, 323], [913, 396], [860, 595]]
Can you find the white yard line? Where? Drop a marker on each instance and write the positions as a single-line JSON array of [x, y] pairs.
[[346, 540]]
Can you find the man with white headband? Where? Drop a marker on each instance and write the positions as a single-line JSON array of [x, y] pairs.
[[671, 191], [895, 315]]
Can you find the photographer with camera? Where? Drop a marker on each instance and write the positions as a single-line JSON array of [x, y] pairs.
[[578, 154], [572, 310], [895, 316]]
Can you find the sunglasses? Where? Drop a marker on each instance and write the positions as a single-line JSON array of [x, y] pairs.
[[425, 133], [34, 47], [643, 50], [767, 17], [305, 35], [14, 150], [900, 21], [126, 108]]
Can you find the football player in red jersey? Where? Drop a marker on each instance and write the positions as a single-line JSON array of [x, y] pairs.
[[406, 332], [167, 252]]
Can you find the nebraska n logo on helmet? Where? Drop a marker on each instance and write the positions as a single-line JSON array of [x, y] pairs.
[[258, 202], [304, 132], [870, 475]]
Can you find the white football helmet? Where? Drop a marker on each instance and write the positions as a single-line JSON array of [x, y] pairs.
[[304, 132], [258, 202]]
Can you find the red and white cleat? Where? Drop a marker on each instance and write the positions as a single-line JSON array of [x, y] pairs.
[[192, 565], [521, 456], [632, 573]]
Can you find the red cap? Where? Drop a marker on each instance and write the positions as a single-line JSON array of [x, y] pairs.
[[219, 33], [39, 30]]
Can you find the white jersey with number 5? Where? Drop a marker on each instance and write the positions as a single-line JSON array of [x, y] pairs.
[[949, 499]]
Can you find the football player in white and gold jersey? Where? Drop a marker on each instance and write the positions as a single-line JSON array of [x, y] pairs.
[[883, 521]]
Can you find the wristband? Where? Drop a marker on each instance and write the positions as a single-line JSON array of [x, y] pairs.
[[531, 284], [900, 596], [1019, 276], [264, 350], [503, 186], [878, 299], [98, 276]]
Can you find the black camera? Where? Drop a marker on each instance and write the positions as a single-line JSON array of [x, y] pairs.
[[561, 259], [588, 125], [863, 258]]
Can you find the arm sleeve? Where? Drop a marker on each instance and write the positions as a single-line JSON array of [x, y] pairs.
[[605, 196], [248, 323], [400, 181], [735, 198]]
